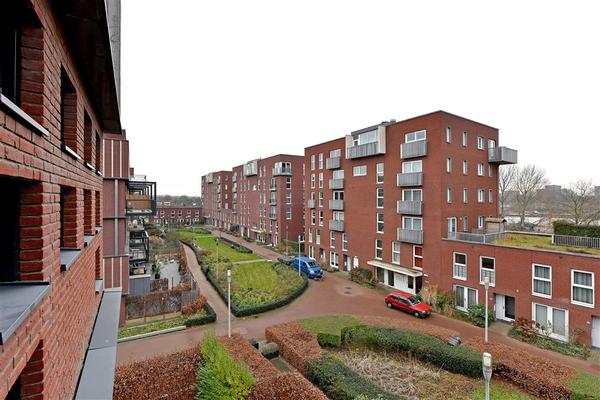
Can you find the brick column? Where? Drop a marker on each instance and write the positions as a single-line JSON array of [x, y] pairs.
[[98, 210], [32, 73], [88, 206], [72, 217], [32, 377]]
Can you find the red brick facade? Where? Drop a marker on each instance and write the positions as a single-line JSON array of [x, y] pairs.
[[42, 149], [177, 215]]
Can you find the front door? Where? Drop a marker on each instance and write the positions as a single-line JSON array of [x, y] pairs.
[[596, 332], [499, 306], [505, 307], [402, 282]]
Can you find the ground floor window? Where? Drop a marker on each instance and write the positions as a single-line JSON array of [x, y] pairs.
[[551, 321], [582, 283], [334, 260], [464, 297]]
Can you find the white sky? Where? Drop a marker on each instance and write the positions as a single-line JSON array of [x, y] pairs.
[[207, 85]]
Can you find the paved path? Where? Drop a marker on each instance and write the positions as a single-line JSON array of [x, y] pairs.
[[333, 295]]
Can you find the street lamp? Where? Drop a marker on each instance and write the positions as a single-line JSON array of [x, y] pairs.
[[487, 373], [486, 282], [217, 266], [299, 238], [228, 303]]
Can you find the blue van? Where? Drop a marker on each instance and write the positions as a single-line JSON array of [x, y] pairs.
[[308, 266]]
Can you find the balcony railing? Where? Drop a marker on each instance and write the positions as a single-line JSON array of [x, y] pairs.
[[310, 204], [413, 149], [410, 236], [364, 150], [502, 155], [410, 207], [410, 179], [333, 163], [336, 184], [336, 225], [273, 187], [477, 237], [337, 205], [273, 202], [279, 171], [272, 216]]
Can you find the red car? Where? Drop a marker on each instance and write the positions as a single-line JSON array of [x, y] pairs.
[[409, 303]]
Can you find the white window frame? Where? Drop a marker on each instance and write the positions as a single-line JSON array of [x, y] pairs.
[[310, 235], [344, 241], [481, 269], [320, 160], [449, 195], [449, 165], [480, 222], [409, 194], [412, 222], [480, 195], [334, 260], [550, 319], [465, 138], [592, 288], [415, 136], [490, 196], [359, 170], [412, 164], [320, 180], [534, 278], [465, 296], [396, 253], [480, 143], [313, 217], [332, 239], [465, 167], [379, 173], [456, 265], [378, 249], [380, 219], [321, 218], [312, 162], [465, 195], [317, 236], [480, 169], [378, 197], [448, 134], [312, 181]]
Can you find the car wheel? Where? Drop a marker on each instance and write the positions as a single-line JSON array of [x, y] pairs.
[[416, 314], [389, 305]]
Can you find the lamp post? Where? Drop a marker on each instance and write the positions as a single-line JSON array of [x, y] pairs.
[[299, 237], [487, 373], [486, 282], [217, 266], [228, 303]]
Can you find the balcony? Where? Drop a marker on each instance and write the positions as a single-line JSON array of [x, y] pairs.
[[336, 183], [364, 150], [273, 187], [337, 205], [251, 168], [17, 301], [310, 204], [282, 171], [484, 238], [140, 198], [273, 216], [502, 155], [273, 201], [410, 179], [410, 207], [374, 142], [333, 163], [413, 149], [410, 236], [336, 225], [209, 178]]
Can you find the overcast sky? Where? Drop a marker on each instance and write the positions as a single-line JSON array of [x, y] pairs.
[[207, 85]]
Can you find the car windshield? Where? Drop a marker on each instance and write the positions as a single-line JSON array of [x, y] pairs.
[[414, 300], [311, 264]]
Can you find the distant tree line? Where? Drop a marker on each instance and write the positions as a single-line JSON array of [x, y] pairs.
[[183, 200]]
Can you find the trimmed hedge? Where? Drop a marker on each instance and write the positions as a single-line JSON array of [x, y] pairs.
[[341, 383], [568, 229], [457, 359], [362, 276], [209, 318]]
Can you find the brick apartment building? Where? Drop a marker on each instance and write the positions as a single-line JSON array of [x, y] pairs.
[[57, 324], [262, 199], [167, 214], [415, 201]]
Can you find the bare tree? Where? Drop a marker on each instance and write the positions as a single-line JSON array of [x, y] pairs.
[[506, 181], [580, 202], [527, 182]]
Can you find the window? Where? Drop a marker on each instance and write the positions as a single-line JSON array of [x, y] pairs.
[[379, 222], [320, 180], [310, 235], [335, 153], [334, 260], [541, 280], [465, 138], [412, 166], [451, 225], [359, 170], [449, 195], [491, 143], [68, 210], [312, 217], [448, 135], [396, 253], [490, 196], [288, 213], [338, 195], [288, 198], [459, 270], [480, 195], [380, 198], [311, 251], [490, 170], [312, 181], [379, 172], [448, 165], [465, 224], [321, 218], [288, 183], [487, 269], [331, 239], [312, 162], [88, 217], [68, 112], [320, 160], [318, 236], [338, 174], [412, 195], [9, 230], [480, 142], [415, 136], [480, 221], [412, 223], [582, 283], [550, 320], [465, 195], [378, 249], [465, 167], [344, 241], [338, 215], [418, 257], [480, 169], [464, 297], [321, 199]]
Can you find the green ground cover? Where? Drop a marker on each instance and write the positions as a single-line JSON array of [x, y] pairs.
[[329, 328], [542, 242], [209, 244]]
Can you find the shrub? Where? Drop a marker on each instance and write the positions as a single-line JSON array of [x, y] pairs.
[[241, 350], [286, 386], [458, 359], [195, 306], [341, 383], [440, 302], [296, 345], [568, 229], [362, 276], [329, 329], [220, 377], [200, 319], [526, 331], [476, 314]]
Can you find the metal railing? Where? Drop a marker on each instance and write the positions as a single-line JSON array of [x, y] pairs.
[[502, 155], [363, 150], [410, 179], [484, 238], [336, 205], [282, 171], [336, 225], [413, 149], [336, 184], [410, 236], [310, 204], [577, 241], [410, 207], [333, 163]]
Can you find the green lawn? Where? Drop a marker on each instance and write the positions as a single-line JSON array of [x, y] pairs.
[[257, 283], [500, 392], [542, 242], [152, 327], [585, 386], [328, 328], [208, 243]]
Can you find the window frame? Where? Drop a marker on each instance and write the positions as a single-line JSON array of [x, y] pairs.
[[550, 319], [379, 249], [378, 198], [534, 278], [344, 241], [379, 174], [416, 256], [492, 281], [480, 143], [359, 168], [464, 266], [380, 222], [396, 253], [448, 134], [592, 288]]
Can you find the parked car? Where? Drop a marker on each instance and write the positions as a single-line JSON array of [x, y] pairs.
[[409, 303], [308, 266], [287, 260]]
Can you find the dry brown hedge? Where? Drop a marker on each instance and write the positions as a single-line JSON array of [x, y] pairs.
[[241, 350], [539, 377], [195, 306], [170, 377], [296, 345], [420, 326], [286, 386]]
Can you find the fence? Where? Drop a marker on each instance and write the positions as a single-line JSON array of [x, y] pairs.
[[158, 303], [477, 237], [577, 241]]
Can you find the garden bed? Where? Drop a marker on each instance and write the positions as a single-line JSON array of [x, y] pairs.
[[227, 249]]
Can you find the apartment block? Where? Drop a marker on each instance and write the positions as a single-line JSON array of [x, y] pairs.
[[177, 215], [57, 323], [216, 197]]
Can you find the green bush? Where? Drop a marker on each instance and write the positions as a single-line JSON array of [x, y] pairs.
[[461, 360], [339, 382], [362, 276], [566, 228], [572, 349], [476, 314], [207, 318], [219, 376], [330, 328], [585, 386]]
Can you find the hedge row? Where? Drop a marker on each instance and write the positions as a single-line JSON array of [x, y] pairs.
[[341, 383], [458, 359], [208, 318], [241, 350], [569, 229], [296, 345], [286, 386]]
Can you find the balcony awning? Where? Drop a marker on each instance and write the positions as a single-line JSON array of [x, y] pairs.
[[395, 268]]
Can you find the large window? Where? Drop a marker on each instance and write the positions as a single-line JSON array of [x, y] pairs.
[[487, 269], [551, 321], [459, 270], [412, 194], [412, 223], [359, 170], [582, 284], [312, 162], [415, 136], [464, 297], [380, 171], [379, 222], [344, 241], [334, 260], [542, 280], [418, 257], [331, 239], [335, 153], [365, 137], [412, 166], [379, 197], [378, 249], [320, 160], [480, 142], [396, 252]]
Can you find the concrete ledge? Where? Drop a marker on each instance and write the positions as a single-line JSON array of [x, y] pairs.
[[150, 334]]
